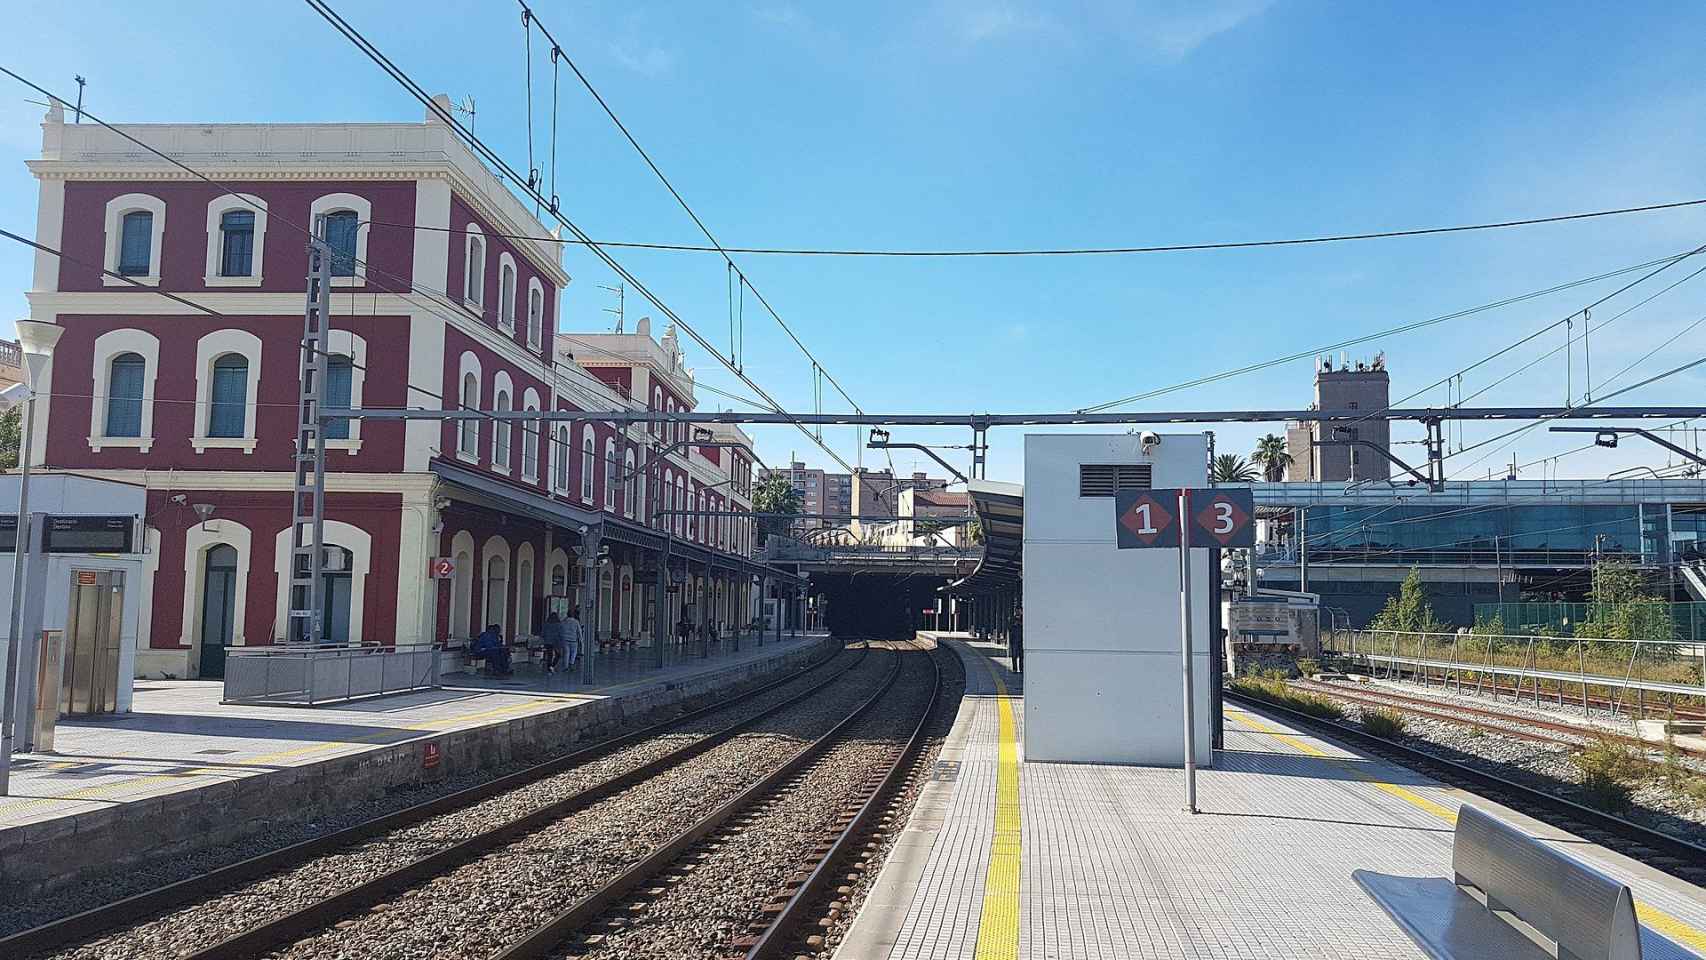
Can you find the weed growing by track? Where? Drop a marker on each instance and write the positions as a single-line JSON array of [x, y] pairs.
[[1383, 722], [1274, 689]]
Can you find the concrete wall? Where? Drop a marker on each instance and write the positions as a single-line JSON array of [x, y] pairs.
[[1103, 678], [39, 857]]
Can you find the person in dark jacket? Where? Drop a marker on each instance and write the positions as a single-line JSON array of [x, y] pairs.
[[683, 629], [1016, 642], [552, 636], [491, 648]]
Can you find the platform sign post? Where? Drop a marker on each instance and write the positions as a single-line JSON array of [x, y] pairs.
[[1185, 518]]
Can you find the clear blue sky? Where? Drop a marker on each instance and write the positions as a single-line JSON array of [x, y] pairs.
[[977, 123]]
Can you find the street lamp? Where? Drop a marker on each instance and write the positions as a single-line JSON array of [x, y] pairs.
[[37, 340]]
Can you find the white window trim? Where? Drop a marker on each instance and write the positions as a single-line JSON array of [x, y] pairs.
[[332, 203], [209, 348], [117, 207], [215, 239], [107, 346], [535, 322], [347, 344], [631, 493], [530, 429], [589, 463], [494, 547], [610, 469], [337, 533], [523, 589], [198, 540], [561, 451], [474, 281], [462, 582], [507, 324], [470, 363], [501, 384]]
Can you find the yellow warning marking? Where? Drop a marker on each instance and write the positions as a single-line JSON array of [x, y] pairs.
[[1675, 928], [998, 927]]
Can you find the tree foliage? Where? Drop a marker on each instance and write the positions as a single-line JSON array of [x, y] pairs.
[[1409, 610], [11, 432], [774, 494], [1231, 468], [1619, 608], [1273, 457]]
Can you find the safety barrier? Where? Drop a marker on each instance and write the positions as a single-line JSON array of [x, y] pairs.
[[1586, 913], [313, 676]]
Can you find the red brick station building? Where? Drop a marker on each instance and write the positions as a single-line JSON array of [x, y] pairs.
[[434, 306]]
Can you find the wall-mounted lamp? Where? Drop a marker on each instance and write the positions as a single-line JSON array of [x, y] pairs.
[[204, 511]]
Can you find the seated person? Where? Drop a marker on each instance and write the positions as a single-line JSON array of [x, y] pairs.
[[491, 648]]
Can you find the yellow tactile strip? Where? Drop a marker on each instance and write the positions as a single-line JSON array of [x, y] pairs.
[[998, 925], [1670, 926]]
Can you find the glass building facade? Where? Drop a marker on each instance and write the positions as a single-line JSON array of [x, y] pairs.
[[1567, 534]]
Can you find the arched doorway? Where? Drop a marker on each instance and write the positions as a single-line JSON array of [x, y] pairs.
[[497, 590], [605, 599], [218, 609]]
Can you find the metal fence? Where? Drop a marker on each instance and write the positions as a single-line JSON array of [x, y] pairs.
[[1684, 622], [314, 676], [1636, 676]]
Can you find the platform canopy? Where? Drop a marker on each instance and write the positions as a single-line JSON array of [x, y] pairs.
[[1000, 511]]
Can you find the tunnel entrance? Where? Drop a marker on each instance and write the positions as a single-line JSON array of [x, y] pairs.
[[883, 606]]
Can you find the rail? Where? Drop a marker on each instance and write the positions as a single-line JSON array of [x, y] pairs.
[[1592, 671], [315, 676], [80, 927]]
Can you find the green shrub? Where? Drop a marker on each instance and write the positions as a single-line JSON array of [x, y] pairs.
[[1610, 771], [1280, 693], [1383, 722], [1308, 667]]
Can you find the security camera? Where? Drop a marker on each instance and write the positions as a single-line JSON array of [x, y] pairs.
[[1150, 440]]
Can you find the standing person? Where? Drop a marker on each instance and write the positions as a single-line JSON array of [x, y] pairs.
[[711, 632], [1016, 642], [683, 628], [556, 651], [572, 633]]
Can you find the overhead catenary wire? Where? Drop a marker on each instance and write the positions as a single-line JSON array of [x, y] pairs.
[[694, 216], [1377, 335], [1128, 250], [483, 150]]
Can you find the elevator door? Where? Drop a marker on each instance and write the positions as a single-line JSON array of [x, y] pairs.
[[92, 630]]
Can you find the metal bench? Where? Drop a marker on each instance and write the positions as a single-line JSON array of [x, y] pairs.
[[1505, 886]]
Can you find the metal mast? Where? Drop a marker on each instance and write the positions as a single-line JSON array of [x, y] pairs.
[[308, 497]]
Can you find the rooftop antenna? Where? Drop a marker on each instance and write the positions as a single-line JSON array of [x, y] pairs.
[[620, 292], [465, 107]]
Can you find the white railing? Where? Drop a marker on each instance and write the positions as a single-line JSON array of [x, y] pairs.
[[314, 676], [1626, 671]]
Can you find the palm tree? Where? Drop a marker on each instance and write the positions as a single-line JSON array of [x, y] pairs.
[[1273, 456], [1231, 468]]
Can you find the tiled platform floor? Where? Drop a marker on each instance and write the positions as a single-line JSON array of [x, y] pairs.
[[180, 737], [1111, 866]]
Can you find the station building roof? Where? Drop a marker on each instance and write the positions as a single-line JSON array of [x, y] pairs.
[[1001, 514]]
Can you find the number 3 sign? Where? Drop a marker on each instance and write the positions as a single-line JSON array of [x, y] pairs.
[[1152, 518]]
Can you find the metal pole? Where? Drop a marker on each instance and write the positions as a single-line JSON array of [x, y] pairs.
[[20, 554], [1185, 644], [1303, 549]]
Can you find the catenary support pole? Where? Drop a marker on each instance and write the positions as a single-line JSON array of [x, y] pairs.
[[20, 555], [1185, 647]]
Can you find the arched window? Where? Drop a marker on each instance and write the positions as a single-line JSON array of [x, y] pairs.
[[561, 451], [506, 292], [535, 312], [524, 592], [666, 500], [474, 268], [237, 243], [630, 488], [228, 409], [341, 229], [530, 444], [124, 395], [681, 498], [500, 433], [462, 593], [589, 463], [136, 244], [497, 590], [611, 472], [470, 437], [657, 404], [340, 380], [640, 502]]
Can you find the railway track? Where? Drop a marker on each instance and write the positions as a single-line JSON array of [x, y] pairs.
[[174, 918], [1675, 856], [1499, 720], [1566, 696], [783, 839]]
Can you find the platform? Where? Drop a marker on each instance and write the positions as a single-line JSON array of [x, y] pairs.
[[183, 770], [1003, 859]]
